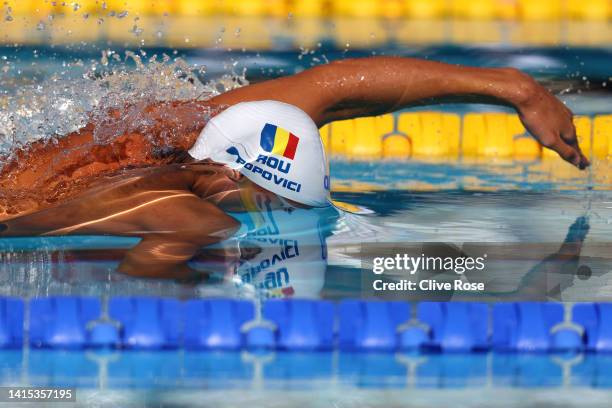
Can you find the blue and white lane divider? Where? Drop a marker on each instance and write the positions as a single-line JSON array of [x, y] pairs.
[[147, 323]]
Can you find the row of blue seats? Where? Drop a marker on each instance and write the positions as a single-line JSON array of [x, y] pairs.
[[354, 325], [215, 369]]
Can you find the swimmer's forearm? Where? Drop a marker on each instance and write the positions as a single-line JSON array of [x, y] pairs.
[[372, 86]]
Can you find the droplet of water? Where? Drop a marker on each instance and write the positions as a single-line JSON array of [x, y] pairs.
[[136, 30], [104, 59], [62, 104]]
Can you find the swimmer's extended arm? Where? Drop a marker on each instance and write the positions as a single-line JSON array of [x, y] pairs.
[[372, 86]]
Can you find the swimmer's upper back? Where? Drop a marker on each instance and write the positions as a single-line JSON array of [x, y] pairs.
[[138, 136]]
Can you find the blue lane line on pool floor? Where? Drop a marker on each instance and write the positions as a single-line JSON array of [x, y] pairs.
[[172, 369]]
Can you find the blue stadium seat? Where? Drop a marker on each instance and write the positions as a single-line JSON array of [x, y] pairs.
[[370, 325], [11, 323], [456, 326], [216, 323], [302, 324], [596, 318], [61, 322], [147, 323], [525, 326]]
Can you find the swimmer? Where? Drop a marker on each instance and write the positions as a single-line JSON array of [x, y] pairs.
[[176, 169]]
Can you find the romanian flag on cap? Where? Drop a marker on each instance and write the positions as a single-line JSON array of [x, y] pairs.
[[279, 141]]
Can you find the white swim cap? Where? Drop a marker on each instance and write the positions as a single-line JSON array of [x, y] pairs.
[[275, 145]]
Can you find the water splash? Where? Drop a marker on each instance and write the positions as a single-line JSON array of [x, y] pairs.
[[62, 104]]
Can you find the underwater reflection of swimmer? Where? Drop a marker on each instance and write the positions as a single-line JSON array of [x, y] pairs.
[[558, 271], [293, 257], [176, 210], [550, 277], [249, 233]]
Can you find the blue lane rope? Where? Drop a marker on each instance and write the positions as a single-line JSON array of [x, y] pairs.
[[149, 323]]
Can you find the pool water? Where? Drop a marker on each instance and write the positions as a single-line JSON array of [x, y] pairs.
[[330, 240], [473, 206]]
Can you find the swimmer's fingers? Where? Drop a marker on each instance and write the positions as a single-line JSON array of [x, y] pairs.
[[550, 122], [568, 135], [568, 132], [557, 133], [569, 153]]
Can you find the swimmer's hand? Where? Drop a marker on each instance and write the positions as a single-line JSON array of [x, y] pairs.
[[547, 119]]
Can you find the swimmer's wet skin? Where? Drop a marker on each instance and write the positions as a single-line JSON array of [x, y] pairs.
[[272, 141], [342, 90]]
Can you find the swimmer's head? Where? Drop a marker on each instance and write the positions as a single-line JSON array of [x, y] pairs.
[[275, 145]]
